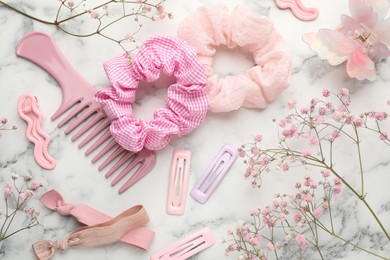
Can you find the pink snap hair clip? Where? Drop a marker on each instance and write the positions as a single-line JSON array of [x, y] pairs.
[[178, 182], [28, 111], [298, 9], [187, 247]]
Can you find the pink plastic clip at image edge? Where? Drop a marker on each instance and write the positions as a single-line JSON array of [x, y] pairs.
[[187, 247], [178, 182], [298, 9]]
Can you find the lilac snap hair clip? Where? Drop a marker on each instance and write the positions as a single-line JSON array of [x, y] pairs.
[[214, 174]]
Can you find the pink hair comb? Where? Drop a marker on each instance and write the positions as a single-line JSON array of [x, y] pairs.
[[298, 9], [214, 174], [178, 182], [186, 247], [77, 97], [28, 111]]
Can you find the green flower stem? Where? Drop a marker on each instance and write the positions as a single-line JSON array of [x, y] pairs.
[[25, 14]]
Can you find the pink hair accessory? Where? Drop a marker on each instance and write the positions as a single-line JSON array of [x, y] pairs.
[[212, 26], [186, 247], [361, 40], [139, 237], [96, 235], [298, 9], [186, 102], [178, 182], [28, 109]]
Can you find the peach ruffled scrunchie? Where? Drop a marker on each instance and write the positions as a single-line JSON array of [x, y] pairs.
[[213, 26]]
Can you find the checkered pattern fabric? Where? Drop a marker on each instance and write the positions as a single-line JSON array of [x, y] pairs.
[[186, 103]]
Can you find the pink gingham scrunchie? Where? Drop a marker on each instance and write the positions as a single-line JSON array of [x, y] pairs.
[[186, 102], [214, 25]]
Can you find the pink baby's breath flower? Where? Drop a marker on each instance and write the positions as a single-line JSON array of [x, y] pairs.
[[160, 9], [70, 4], [35, 185], [383, 136], [162, 16], [282, 123], [317, 213], [297, 217], [255, 212], [8, 190], [283, 203], [337, 190], [306, 153], [325, 93], [358, 122], [325, 173], [304, 110], [285, 167], [94, 14], [146, 9], [380, 116], [335, 134], [344, 92], [270, 246], [301, 240], [241, 153], [23, 196], [258, 138], [3, 120], [291, 104], [312, 140], [307, 197], [263, 161], [337, 181], [255, 151]]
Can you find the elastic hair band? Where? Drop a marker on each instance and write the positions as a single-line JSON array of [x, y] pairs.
[[186, 102], [213, 26]]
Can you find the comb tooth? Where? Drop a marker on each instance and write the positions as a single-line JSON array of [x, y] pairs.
[[119, 163], [79, 107], [98, 129], [108, 147], [96, 118], [109, 159], [83, 117], [63, 108], [98, 142], [147, 159]]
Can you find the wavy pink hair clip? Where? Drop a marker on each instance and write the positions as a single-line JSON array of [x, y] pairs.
[[28, 110], [299, 10]]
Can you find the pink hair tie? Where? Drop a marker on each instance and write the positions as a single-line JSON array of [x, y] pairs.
[[214, 25], [186, 102], [140, 237]]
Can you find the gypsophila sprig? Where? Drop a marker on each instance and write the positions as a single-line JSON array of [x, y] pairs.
[[16, 197], [308, 138], [4, 125], [98, 17], [289, 225]]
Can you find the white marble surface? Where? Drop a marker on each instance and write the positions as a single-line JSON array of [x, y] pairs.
[[79, 180]]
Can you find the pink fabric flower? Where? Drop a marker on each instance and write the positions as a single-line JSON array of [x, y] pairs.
[[361, 40]]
